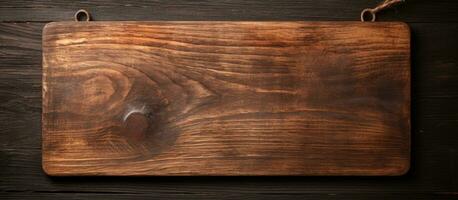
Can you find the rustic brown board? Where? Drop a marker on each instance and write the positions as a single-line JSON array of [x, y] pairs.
[[226, 98]]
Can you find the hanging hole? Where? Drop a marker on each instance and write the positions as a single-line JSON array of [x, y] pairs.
[[82, 15], [368, 15]]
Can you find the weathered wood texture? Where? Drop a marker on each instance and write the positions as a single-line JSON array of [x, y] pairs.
[[434, 115], [433, 173], [226, 98]]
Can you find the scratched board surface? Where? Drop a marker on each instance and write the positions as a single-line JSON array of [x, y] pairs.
[[226, 98]]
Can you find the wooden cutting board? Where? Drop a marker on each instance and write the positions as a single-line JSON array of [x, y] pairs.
[[226, 98]]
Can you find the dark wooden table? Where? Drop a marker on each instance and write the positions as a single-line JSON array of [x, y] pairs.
[[433, 174]]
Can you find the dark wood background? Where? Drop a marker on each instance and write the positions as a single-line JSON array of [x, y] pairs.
[[434, 169]]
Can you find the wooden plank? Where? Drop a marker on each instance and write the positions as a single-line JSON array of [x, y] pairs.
[[434, 78], [226, 98], [134, 10]]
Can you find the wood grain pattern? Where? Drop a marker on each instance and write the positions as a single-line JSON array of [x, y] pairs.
[[226, 98], [434, 109]]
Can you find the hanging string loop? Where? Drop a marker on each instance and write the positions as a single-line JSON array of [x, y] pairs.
[[372, 12]]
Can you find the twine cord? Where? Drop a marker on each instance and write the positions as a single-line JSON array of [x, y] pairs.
[[373, 11]]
